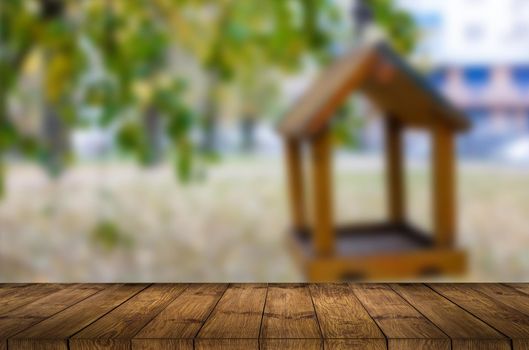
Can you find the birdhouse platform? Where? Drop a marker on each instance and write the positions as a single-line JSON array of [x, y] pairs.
[[375, 251]]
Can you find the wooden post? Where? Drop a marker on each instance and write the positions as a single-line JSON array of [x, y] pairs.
[[395, 171], [322, 186], [295, 183], [443, 195]]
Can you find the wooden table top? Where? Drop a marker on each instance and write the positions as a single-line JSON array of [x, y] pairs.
[[271, 316]]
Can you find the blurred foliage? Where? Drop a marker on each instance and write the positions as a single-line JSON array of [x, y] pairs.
[[397, 23], [109, 236], [114, 58]]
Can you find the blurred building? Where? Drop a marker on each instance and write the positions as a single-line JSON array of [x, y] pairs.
[[477, 53]]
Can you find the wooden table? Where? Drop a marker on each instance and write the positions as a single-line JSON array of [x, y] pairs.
[[273, 316]]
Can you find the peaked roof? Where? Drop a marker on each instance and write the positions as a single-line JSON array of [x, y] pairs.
[[386, 79]]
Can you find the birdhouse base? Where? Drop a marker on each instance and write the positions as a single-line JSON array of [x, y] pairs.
[[377, 251]]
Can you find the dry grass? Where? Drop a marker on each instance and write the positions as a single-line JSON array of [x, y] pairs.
[[229, 227]]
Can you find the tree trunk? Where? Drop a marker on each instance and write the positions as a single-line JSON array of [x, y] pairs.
[[248, 124], [56, 143], [210, 126], [154, 136]]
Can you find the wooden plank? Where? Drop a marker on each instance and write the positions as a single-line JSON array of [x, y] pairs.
[[395, 170], [354, 344], [12, 288], [155, 344], [71, 320], [295, 183], [404, 326], [26, 295], [341, 315], [403, 265], [100, 344], [322, 187], [509, 296], [289, 315], [508, 320], [125, 321], [291, 344], [184, 317], [443, 196], [466, 330], [25, 316], [226, 344], [42, 344], [237, 316]]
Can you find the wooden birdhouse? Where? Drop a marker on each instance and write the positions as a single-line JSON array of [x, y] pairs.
[[390, 249]]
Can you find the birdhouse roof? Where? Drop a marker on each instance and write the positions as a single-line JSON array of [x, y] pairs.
[[378, 72]]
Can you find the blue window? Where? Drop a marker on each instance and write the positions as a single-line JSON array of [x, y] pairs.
[[476, 76], [520, 76]]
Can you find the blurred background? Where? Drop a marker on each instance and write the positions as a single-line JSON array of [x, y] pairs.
[[138, 142]]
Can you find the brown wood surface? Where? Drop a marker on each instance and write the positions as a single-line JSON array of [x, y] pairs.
[[444, 186], [454, 321], [294, 166], [321, 148], [237, 316], [125, 321], [260, 316], [505, 318], [395, 170], [402, 324]]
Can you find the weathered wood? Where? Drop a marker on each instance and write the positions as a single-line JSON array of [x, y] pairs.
[[125, 321], [406, 265], [25, 295], [155, 344], [66, 323], [506, 319], [443, 196], [341, 315], [404, 326], [294, 165], [27, 315], [286, 316], [184, 317], [289, 315], [395, 170], [458, 324], [237, 316], [322, 199]]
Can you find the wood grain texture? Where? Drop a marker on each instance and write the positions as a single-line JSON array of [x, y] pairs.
[[506, 319], [184, 317], [354, 344], [41, 344], [394, 133], [398, 320], [289, 313], [444, 186], [451, 319], [291, 344], [321, 149], [294, 166], [237, 316], [341, 315], [27, 315], [226, 344], [155, 344], [66, 323], [25, 295], [125, 321], [257, 316]]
